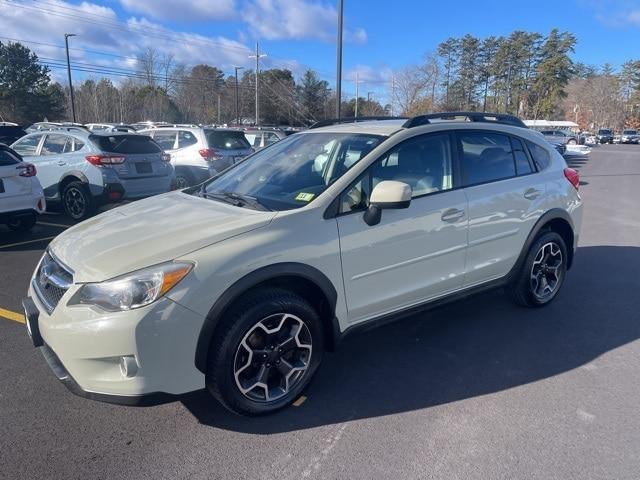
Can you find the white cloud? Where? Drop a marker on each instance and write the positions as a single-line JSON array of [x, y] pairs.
[[367, 74], [286, 19], [615, 13], [99, 29], [189, 10]]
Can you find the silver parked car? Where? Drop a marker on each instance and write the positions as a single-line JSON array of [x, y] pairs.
[[198, 153], [260, 138], [82, 170]]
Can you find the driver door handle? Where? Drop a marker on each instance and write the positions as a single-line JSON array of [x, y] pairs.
[[452, 215]]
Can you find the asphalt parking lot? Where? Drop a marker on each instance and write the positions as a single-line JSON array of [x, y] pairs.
[[480, 389]]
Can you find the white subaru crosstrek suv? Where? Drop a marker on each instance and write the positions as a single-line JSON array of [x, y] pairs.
[[21, 195], [240, 284]]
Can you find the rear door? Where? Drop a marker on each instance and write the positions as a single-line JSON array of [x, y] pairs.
[[505, 200], [139, 155], [53, 160], [14, 189]]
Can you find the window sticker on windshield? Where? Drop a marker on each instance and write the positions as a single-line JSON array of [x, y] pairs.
[[305, 197]]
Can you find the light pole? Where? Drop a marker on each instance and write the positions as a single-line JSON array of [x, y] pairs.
[[73, 106], [339, 61], [237, 96], [257, 56]]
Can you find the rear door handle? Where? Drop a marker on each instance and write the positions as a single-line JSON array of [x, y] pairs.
[[62, 162], [452, 215], [532, 194]]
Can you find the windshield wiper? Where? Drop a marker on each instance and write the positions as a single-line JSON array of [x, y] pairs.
[[236, 199]]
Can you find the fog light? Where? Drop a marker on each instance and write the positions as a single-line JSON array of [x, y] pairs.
[[128, 366]]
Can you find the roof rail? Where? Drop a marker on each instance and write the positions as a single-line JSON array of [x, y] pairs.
[[488, 117], [337, 121]]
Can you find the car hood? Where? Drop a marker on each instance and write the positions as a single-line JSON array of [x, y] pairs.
[[148, 232]]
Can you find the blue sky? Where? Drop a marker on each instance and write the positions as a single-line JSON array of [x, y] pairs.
[[381, 36]]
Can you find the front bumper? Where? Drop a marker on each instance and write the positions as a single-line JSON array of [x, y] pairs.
[[85, 349]]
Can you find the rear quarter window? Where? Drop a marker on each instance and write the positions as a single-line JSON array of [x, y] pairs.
[[7, 159], [227, 140], [125, 144], [540, 155]]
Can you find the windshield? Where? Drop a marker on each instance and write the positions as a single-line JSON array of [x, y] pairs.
[[604, 131], [226, 140], [291, 173], [630, 132]]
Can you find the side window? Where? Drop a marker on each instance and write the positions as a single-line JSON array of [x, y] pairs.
[[186, 138], [539, 154], [7, 158], [77, 145], [56, 144], [523, 167], [486, 157], [356, 197], [27, 146], [269, 138], [165, 139], [253, 139], [423, 162]]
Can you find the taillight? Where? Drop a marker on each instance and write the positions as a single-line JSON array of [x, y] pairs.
[[28, 170], [573, 176], [100, 160], [209, 154], [166, 157]]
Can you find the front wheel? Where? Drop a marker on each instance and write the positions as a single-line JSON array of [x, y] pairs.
[[542, 273], [265, 352]]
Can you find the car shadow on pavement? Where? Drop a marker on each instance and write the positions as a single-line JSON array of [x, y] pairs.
[[479, 346]]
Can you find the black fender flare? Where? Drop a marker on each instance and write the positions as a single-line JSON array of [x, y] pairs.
[[553, 214], [75, 174], [250, 280]]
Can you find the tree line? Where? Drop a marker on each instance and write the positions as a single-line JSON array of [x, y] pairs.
[[526, 73]]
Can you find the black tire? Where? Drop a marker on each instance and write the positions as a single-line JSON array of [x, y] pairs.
[[525, 289], [77, 201], [183, 179], [23, 223], [227, 353]]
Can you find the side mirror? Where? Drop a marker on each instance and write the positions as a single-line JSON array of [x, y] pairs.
[[388, 194]]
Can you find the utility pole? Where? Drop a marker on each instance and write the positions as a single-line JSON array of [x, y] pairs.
[[357, 94], [237, 97], [339, 61], [257, 56], [73, 105], [393, 93], [218, 109]]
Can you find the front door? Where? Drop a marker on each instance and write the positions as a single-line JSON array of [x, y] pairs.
[[414, 254]]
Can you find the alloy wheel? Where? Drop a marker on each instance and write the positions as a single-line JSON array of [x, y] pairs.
[[181, 182], [75, 202], [546, 271], [273, 357]]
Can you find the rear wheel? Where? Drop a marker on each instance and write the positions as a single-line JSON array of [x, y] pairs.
[[183, 179], [542, 273], [265, 352], [23, 223], [77, 201]]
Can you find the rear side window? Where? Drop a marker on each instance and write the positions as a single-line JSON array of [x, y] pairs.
[[55, 144], [523, 167], [7, 158], [227, 140], [77, 145], [486, 157], [254, 138], [270, 138], [186, 139], [539, 154], [125, 144], [166, 140]]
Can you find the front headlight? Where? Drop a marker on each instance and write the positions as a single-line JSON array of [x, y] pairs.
[[133, 290]]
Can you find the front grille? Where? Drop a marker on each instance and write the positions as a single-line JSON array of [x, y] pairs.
[[51, 282]]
